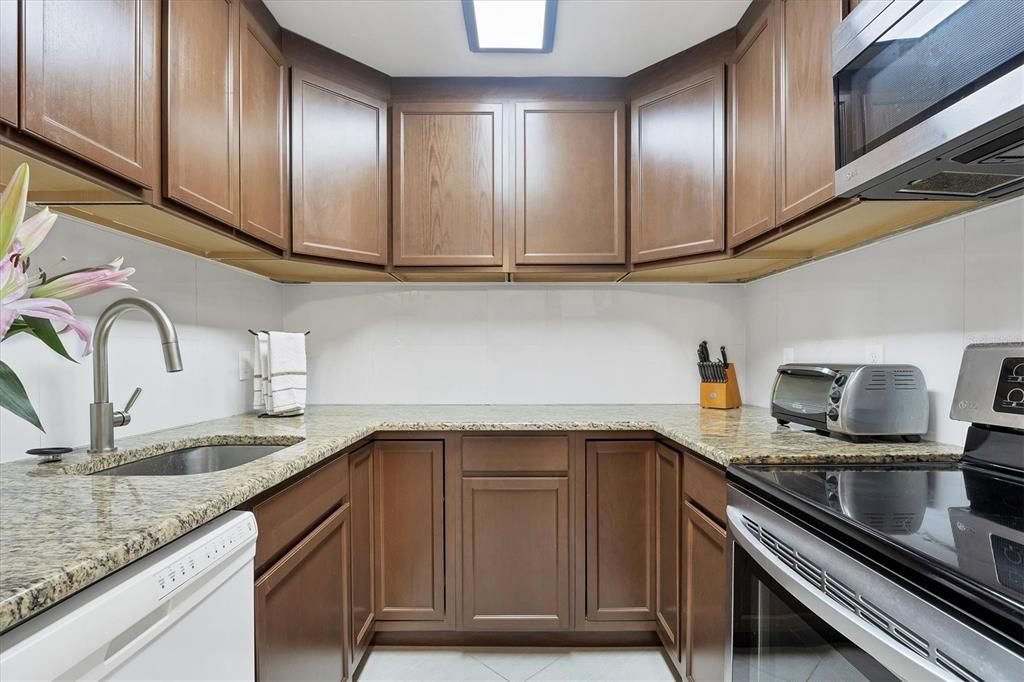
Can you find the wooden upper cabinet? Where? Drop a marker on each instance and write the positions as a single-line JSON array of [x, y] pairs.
[[570, 183], [302, 607], [263, 135], [515, 553], [339, 171], [678, 169], [201, 107], [448, 184], [410, 530], [90, 82], [752, 132], [9, 62], [620, 530], [806, 143]]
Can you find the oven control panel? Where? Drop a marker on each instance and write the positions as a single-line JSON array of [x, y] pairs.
[[1010, 387]]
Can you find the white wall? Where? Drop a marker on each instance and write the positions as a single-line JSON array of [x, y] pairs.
[[511, 344], [923, 295], [211, 306]]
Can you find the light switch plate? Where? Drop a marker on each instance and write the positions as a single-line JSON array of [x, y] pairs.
[[787, 356], [874, 354]]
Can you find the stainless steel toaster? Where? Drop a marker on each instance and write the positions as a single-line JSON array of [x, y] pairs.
[[859, 401]]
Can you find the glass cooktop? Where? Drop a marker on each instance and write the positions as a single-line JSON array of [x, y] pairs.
[[968, 519]]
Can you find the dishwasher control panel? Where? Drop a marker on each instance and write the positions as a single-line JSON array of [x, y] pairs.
[[185, 568]]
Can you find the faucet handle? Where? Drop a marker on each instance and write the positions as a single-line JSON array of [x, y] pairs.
[[124, 417]]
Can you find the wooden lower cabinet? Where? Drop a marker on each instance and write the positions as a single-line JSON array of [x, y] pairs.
[[409, 477], [364, 597], [620, 530], [666, 548], [515, 553], [705, 584], [302, 608]]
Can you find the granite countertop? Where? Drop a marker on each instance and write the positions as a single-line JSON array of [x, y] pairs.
[[61, 530]]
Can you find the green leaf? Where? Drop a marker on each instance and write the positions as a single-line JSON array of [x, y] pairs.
[[14, 399], [44, 331]]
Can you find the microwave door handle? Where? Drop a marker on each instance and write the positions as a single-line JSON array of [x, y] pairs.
[[808, 371], [870, 639]]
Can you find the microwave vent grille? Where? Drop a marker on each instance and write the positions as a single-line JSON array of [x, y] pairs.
[[853, 602]]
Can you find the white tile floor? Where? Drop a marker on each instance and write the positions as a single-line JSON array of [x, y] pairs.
[[430, 664]]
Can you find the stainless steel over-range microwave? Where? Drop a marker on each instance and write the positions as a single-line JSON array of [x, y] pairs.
[[929, 99]]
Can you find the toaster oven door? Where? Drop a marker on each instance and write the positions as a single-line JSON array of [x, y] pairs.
[[801, 394]]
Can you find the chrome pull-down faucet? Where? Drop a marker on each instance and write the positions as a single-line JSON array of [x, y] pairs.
[[102, 416]]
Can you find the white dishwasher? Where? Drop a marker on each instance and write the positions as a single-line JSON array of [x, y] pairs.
[[184, 612]]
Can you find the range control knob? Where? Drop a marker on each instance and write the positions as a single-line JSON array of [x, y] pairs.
[[1016, 395], [840, 380], [833, 413], [835, 395]]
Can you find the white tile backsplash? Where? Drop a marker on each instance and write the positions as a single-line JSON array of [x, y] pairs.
[[922, 295]]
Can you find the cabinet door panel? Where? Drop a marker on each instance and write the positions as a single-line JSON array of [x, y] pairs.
[[302, 608], [448, 190], [678, 175], [364, 598], [410, 530], [9, 62], [806, 147], [263, 136], [339, 171], [620, 530], [201, 106], [752, 121], [667, 537], [90, 81], [705, 580], [570, 183], [515, 553]]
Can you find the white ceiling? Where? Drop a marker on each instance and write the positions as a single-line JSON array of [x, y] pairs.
[[428, 37]]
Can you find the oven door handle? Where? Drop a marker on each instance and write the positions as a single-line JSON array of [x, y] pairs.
[[872, 640]]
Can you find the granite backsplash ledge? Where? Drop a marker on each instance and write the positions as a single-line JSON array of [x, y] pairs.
[[61, 530]]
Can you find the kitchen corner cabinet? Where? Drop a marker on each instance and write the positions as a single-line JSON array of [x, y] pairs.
[[677, 190], [753, 77], [364, 597], [781, 131], [201, 107], [515, 553], [667, 519], [620, 529], [806, 144], [570, 183], [339, 171], [104, 48], [706, 590], [410, 580], [302, 606], [263, 135], [9, 62], [448, 184]]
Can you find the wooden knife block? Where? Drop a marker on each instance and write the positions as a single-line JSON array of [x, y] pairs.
[[719, 395]]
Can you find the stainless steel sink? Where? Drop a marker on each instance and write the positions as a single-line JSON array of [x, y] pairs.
[[202, 460]]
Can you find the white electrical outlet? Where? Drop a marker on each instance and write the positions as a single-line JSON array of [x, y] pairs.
[[244, 365], [787, 356], [874, 354]]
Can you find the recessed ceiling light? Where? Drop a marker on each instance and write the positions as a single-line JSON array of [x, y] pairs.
[[510, 25]]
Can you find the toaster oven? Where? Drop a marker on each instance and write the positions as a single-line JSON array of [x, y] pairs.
[[859, 401]]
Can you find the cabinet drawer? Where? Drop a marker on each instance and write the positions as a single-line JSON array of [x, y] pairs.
[[286, 517], [705, 485], [515, 454]]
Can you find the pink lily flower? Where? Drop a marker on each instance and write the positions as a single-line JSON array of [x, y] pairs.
[[12, 207], [32, 232], [13, 286], [80, 283]]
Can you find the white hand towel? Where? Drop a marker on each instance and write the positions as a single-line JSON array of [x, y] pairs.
[[287, 372]]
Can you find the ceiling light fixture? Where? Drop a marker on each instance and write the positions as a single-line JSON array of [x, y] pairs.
[[510, 25]]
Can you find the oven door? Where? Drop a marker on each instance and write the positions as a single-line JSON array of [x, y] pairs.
[[801, 609]]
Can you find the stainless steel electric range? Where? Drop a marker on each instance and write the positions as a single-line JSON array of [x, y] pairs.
[[885, 572]]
